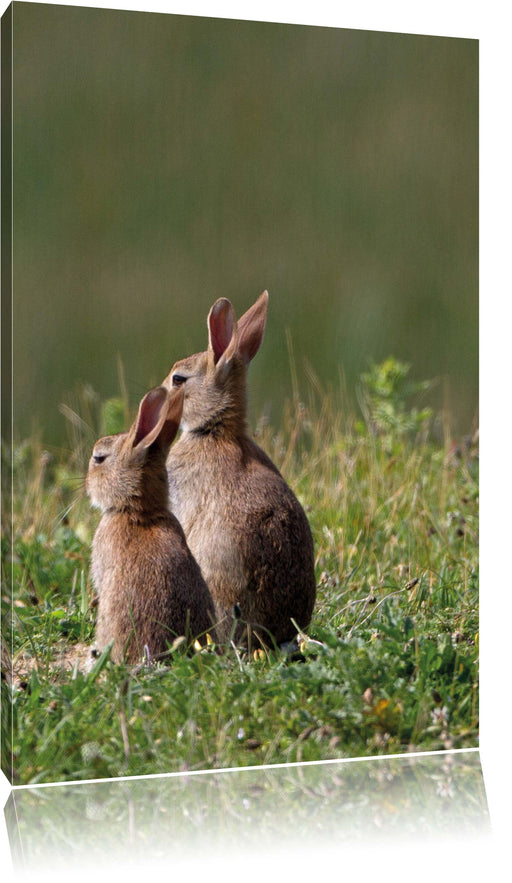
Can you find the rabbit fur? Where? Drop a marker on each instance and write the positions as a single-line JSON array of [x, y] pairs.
[[150, 588], [245, 527]]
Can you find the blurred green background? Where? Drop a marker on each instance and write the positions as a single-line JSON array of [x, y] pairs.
[[163, 161]]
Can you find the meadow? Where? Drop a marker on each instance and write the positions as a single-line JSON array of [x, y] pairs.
[[389, 663]]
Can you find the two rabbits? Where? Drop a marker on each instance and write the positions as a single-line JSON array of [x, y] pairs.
[[248, 542]]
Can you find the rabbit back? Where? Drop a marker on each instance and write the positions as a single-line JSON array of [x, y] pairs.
[[149, 585], [150, 588], [243, 523], [248, 532]]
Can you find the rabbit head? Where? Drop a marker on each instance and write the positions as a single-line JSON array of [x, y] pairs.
[[127, 471], [214, 382]]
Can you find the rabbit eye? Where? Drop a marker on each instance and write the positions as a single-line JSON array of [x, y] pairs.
[[178, 379], [99, 458]]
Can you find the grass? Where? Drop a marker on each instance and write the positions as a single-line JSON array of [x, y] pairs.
[[389, 663]]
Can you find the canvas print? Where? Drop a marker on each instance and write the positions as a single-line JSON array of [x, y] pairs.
[[239, 393]]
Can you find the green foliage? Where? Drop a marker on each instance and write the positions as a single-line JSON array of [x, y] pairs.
[[390, 661], [113, 416], [385, 393]]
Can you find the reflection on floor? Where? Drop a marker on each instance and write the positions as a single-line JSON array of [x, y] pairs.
[[182, 817]]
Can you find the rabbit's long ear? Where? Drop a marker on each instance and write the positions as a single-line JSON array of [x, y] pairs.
[[251, 327], [222, 330], [172, 421], [150, 419]]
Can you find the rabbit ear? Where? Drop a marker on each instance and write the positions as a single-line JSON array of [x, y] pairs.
[[251, 327], [171, 425], [221, 329], [150, 419]]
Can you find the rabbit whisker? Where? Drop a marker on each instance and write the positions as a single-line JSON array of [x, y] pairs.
[[78, 482], [67, 510]]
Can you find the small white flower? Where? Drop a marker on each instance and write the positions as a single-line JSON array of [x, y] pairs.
[[445, 788], [440, 715]]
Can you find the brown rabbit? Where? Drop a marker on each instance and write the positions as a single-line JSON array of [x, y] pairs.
[[245, 527], [149, 585]]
